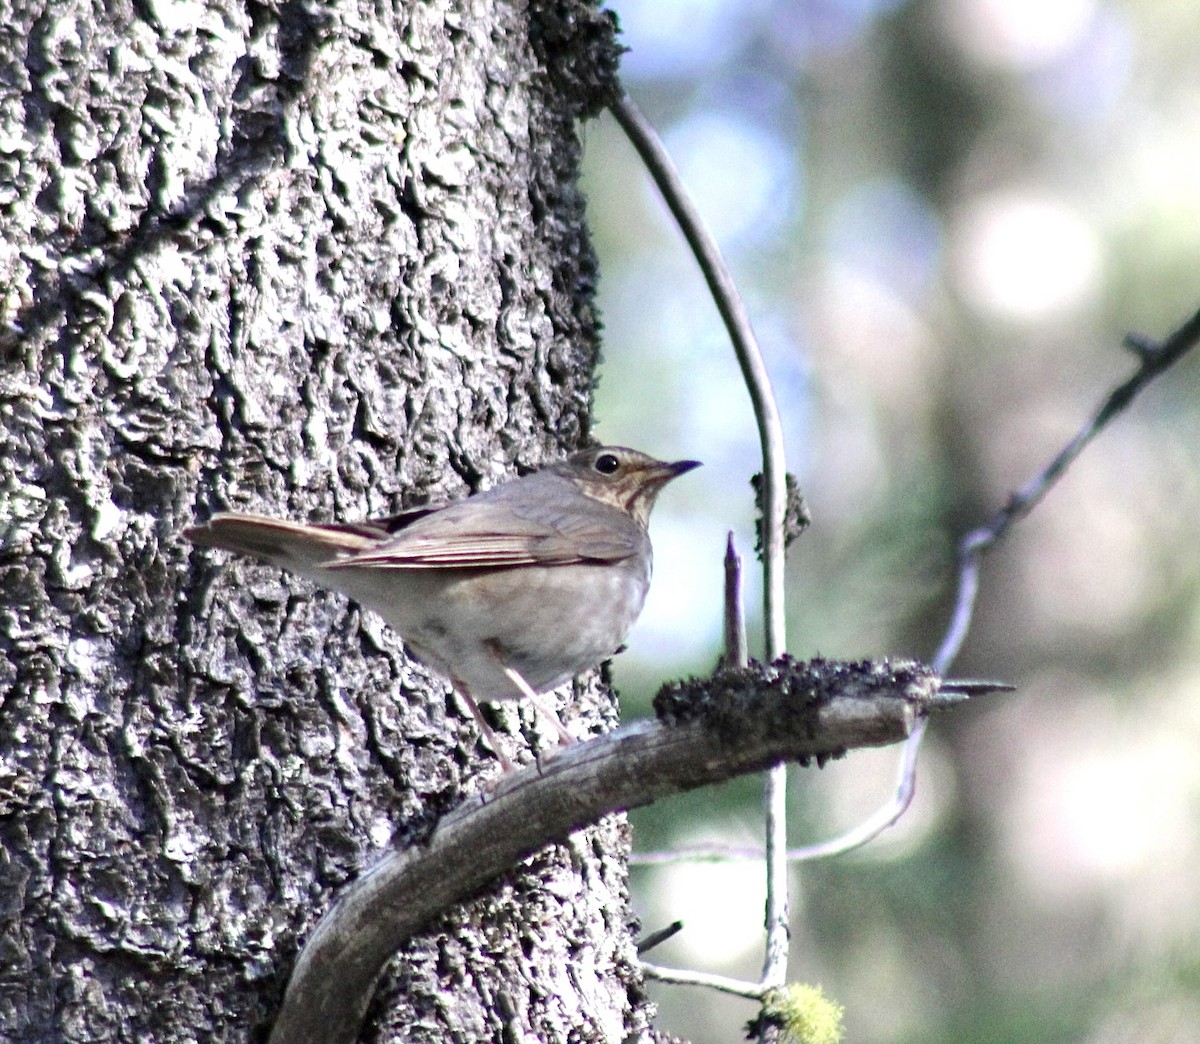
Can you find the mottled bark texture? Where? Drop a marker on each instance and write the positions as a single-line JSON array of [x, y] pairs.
[[321, 260]]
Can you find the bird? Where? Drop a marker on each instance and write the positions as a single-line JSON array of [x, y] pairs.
[[508, 593]]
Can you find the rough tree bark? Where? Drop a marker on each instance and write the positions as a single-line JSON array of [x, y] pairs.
[[322, 260]]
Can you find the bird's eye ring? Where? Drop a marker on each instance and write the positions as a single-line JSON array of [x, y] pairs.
[[606, 464]]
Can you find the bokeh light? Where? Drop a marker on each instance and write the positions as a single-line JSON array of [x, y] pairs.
[[1026, 257], [1019, 32]]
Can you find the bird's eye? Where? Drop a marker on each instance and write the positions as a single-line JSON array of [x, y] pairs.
[[606, 464]]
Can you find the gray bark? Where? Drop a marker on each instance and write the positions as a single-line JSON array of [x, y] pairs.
[[318, 260]]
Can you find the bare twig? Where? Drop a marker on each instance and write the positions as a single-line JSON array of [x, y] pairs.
[[778, 906], [714, 852], [774, 493], [887, 816], [1154, 359], [745, 345], [659, 937], [722, 983]]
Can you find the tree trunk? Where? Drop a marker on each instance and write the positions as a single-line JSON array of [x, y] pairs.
[[320, 261]]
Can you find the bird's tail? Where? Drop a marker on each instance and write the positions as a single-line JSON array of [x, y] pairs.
[[292, 544]]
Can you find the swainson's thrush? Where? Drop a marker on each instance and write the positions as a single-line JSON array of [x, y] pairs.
[[509, 593]]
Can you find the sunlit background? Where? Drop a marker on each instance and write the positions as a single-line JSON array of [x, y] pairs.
[[945, 215]]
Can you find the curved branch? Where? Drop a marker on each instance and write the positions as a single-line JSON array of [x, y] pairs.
[[745, 345], [774, 490], [736, 722]]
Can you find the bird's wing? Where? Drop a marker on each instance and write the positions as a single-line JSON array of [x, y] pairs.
[[481, 532]]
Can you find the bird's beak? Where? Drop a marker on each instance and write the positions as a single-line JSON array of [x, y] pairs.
[[681, 467]]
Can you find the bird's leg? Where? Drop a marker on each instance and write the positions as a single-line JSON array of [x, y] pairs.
[[484, 727], [526, 690], [565, 739]]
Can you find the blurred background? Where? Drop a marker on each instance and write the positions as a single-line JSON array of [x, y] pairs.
[[945, 215]]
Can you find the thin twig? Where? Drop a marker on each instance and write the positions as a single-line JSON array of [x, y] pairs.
[[1154, 359], [778, 913], [659, 937], [745, 345], [738, 987], [887, 816], [774, 490], [714, 852]]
